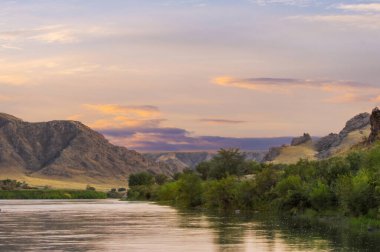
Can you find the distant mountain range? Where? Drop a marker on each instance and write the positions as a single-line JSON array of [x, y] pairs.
[[189, 160], [70, 154]]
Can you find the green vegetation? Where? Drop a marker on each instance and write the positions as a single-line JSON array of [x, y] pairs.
[[345, 186], [52, 194], [12, 189], [9, 184]]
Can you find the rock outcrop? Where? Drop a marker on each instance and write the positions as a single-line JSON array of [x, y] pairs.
[[301, 140], [357, 122], [375, 125], [328, 145], [273, 153], [325, 143], [66, 149]]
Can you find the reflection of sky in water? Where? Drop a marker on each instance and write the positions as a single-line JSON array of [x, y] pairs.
[[109, 225]]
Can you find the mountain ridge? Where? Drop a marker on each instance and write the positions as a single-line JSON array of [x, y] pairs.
[[66, 150]]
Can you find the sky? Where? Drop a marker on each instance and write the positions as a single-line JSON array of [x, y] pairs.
[[191, 74]]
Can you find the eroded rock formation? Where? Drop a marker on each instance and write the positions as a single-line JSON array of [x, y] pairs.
[[301, 140], [375, 125]]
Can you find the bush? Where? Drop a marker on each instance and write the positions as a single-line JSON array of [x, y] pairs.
[[223, 194], [320, 196], [168, 192], [142, 192], [189, 190], [291, 194]]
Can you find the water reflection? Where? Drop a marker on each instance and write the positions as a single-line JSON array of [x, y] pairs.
[[109, 225]]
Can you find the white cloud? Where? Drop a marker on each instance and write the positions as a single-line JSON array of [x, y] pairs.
[[369, 7], [59, 34]]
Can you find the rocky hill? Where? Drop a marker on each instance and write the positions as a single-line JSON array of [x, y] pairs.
[[65, 150], [356, 130]]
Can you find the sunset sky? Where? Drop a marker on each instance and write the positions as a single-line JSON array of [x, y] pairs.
[[168, 74]]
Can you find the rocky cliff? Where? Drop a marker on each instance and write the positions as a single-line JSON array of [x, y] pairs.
[[375, 125], [355, 130], [66, 149]]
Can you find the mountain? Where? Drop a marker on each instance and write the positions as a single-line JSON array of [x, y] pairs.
[[355, 131], [189, 160], [65, 151]]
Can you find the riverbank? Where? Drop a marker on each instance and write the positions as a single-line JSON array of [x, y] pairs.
[[52, 194]]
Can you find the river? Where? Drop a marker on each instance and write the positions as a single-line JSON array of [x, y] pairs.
[[111, 225]]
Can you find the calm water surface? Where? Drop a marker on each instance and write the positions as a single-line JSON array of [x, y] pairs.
[[110, 225]]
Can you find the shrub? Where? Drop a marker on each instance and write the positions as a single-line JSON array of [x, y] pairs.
[[189, 190], [320, 196], [223, 194]]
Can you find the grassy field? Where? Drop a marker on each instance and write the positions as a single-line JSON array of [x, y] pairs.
[[77, 183], [292, 154]]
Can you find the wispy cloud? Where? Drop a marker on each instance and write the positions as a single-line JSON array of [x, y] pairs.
[[114, 109], [362, 7], [213, 121], [362, 15], [286, 2], [12, 79], [44, 70], [10, 47], [343, 91], [4, 98], [365, 21], [284, 84], [51, 34]]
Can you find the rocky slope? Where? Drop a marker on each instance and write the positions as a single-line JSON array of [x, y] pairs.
[[356, 130], [65, 150]]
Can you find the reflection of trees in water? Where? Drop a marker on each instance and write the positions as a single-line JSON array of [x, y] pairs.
[[229, 231], [233, 232], [336, 234]]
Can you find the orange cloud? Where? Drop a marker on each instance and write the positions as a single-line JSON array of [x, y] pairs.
[[113, 109], [342, 91], [119, 116], [12, 79], [74, 117]]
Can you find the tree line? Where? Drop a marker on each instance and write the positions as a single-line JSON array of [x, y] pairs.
[[344, 185]]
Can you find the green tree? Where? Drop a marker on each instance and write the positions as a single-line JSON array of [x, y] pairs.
[[228, 162], [204, 169], [189, 190], [161, 179], [141, 178]]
